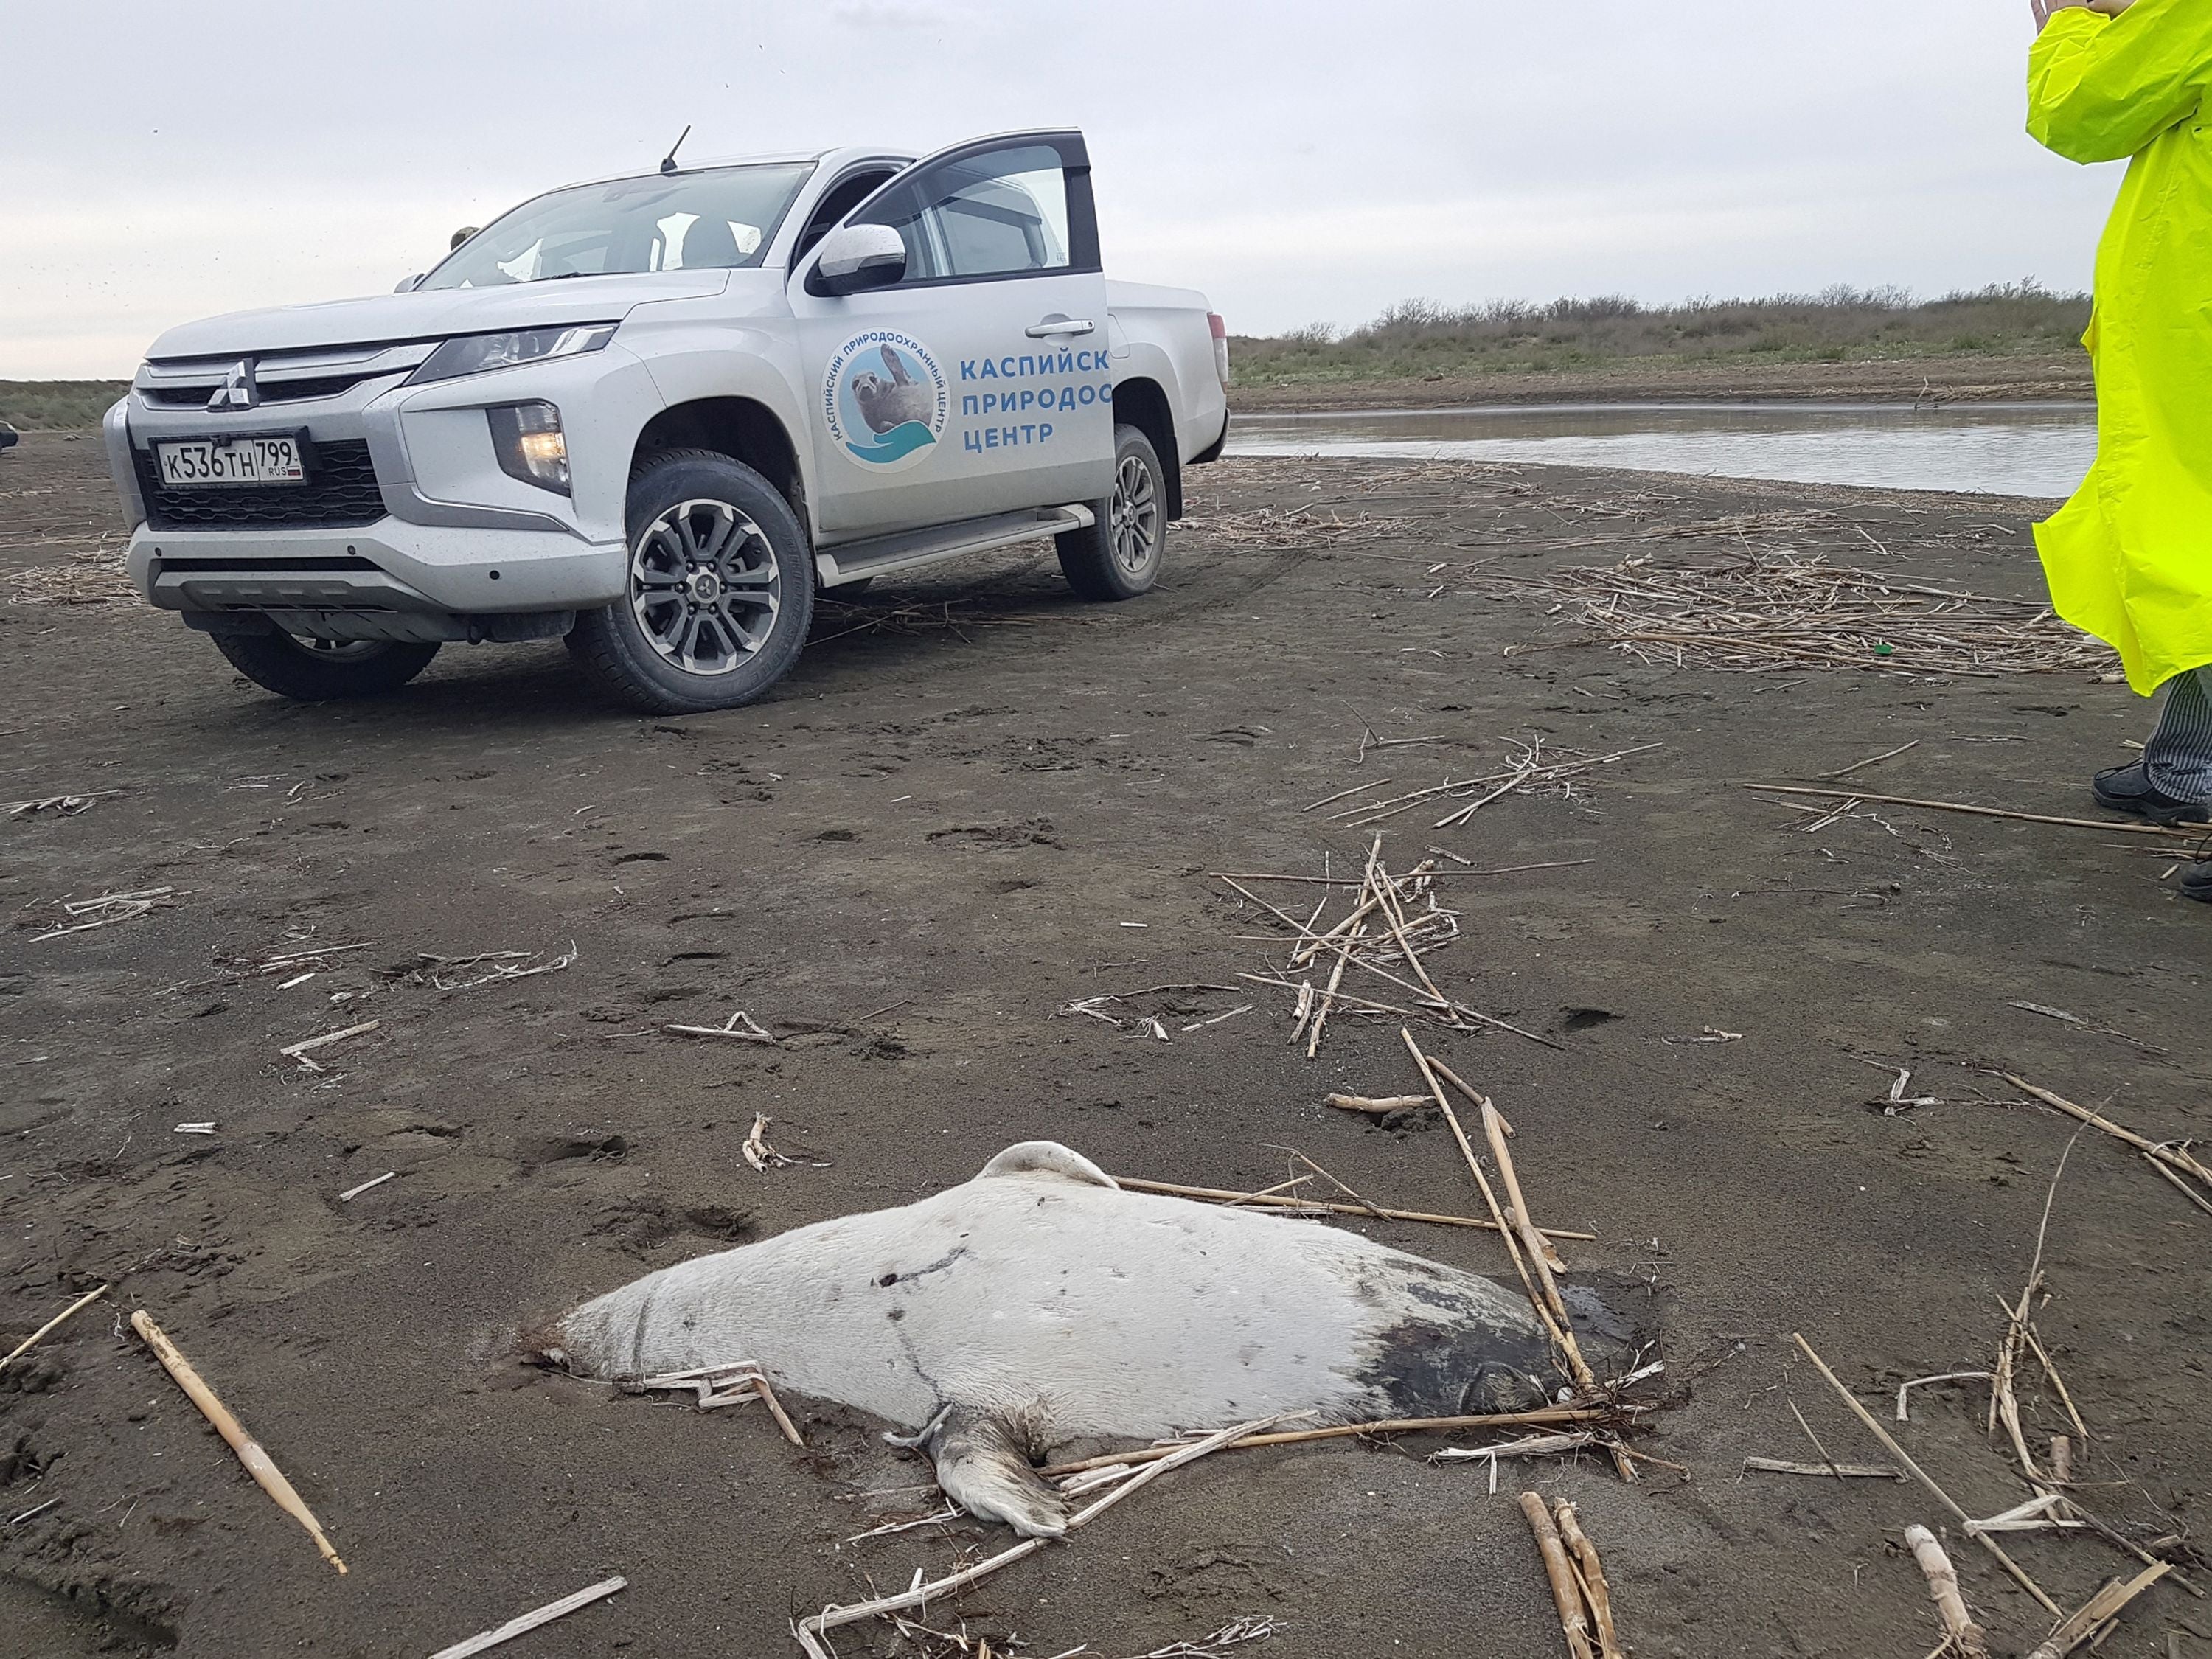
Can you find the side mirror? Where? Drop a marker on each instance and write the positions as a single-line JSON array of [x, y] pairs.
[[407, 283], [856, 257]]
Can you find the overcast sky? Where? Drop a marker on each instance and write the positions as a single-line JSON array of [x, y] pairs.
[[1298, 161]]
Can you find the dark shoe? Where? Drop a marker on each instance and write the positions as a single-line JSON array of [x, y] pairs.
[[2196, 881], [2128, 789]]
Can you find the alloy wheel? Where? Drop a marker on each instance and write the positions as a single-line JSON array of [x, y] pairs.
[[1135, 515], [705, 587]]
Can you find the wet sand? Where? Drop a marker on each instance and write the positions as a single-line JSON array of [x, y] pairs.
[[924, 845]]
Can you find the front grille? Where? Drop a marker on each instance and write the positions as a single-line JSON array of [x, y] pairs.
[[272, 391], [340, 494], [272, 567]]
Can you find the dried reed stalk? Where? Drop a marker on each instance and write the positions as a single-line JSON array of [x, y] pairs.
[[2172, 1156], [1966, 1635], [1826, 1471], [2100, 1610], [1566, 1593], [1980, 811], [1889, 1441], [1542, 1417], [812, 1629], [1268, 1200], [530, 1621], [259, 1463], [1592, 1573], [50, 1326]]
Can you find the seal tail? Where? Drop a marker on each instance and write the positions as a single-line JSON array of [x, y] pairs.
[[982, 1467]]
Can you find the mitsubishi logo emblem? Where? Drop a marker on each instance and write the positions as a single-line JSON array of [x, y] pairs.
[[238, 390]]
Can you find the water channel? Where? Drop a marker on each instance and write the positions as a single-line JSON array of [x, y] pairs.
[[2002, 449]]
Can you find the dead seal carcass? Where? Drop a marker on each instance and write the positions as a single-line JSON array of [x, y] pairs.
[[1040, 1302]]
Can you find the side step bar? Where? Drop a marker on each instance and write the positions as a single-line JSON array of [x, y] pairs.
[[880, 556]]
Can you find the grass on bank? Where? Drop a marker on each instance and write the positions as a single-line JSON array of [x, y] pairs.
[[58, 406], [1417, 339]]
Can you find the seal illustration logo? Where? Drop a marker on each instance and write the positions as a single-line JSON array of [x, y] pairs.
[[884, 399]]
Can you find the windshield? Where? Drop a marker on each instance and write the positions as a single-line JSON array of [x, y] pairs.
[[716, 219]]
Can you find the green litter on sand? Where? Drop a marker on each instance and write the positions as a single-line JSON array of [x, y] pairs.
[[1884, 649]]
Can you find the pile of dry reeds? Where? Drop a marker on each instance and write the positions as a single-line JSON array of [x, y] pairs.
[[1530, 770], [87, 575], [1308, 526], [1776, 611]]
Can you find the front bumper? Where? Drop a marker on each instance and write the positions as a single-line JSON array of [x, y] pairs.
[[425, 525], [389, 568]]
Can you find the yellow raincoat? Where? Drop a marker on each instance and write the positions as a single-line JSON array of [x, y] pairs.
[[2129, 558]]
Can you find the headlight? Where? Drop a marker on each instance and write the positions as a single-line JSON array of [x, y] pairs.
[[531, 444], [474, 354]]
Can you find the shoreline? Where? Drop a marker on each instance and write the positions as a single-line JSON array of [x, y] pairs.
[[2064, 378]]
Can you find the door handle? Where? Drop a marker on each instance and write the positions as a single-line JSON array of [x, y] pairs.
[[1051, 326]]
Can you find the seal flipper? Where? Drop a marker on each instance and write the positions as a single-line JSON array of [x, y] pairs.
[[982, 1467]]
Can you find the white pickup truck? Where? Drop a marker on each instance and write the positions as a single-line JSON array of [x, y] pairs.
[[656, 414]]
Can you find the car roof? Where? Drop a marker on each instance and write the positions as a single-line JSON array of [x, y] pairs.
[[831, 159]]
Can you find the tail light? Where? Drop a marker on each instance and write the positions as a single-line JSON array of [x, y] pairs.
[[1220, 331]]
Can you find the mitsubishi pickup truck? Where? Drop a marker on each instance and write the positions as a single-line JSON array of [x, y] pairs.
[[655, 415]]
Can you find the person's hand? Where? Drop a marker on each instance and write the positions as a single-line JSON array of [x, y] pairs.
[[2045, 9]]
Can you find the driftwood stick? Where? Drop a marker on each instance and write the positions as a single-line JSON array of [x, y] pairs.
[[2099, 1611], [1981, 811], [1566, 1593], [530, 1621], [1542, 1417], [811, 1630], [259, 1463], [1593, 1581], [1223, 1196], [1889, 1441], [50, 1326], [1966, 1635]]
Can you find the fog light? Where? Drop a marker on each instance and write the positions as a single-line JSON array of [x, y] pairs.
[[531, 444]]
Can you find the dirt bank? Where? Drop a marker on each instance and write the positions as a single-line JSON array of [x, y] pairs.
[[947, 825], [1945, 379]]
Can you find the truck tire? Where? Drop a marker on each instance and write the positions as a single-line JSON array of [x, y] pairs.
[[325, 671], [721, 590], [1119, 556]]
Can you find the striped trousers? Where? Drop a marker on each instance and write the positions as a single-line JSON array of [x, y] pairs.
[[2178, 756]]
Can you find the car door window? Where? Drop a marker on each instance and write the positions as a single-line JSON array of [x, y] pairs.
[[1000, 214]]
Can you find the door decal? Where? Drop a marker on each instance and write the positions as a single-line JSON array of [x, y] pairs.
[[884, 399]]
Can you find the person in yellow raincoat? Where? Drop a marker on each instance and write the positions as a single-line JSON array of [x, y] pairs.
[[2129, 558]]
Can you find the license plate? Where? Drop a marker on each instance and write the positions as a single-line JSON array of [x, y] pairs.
[[231, 461]]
